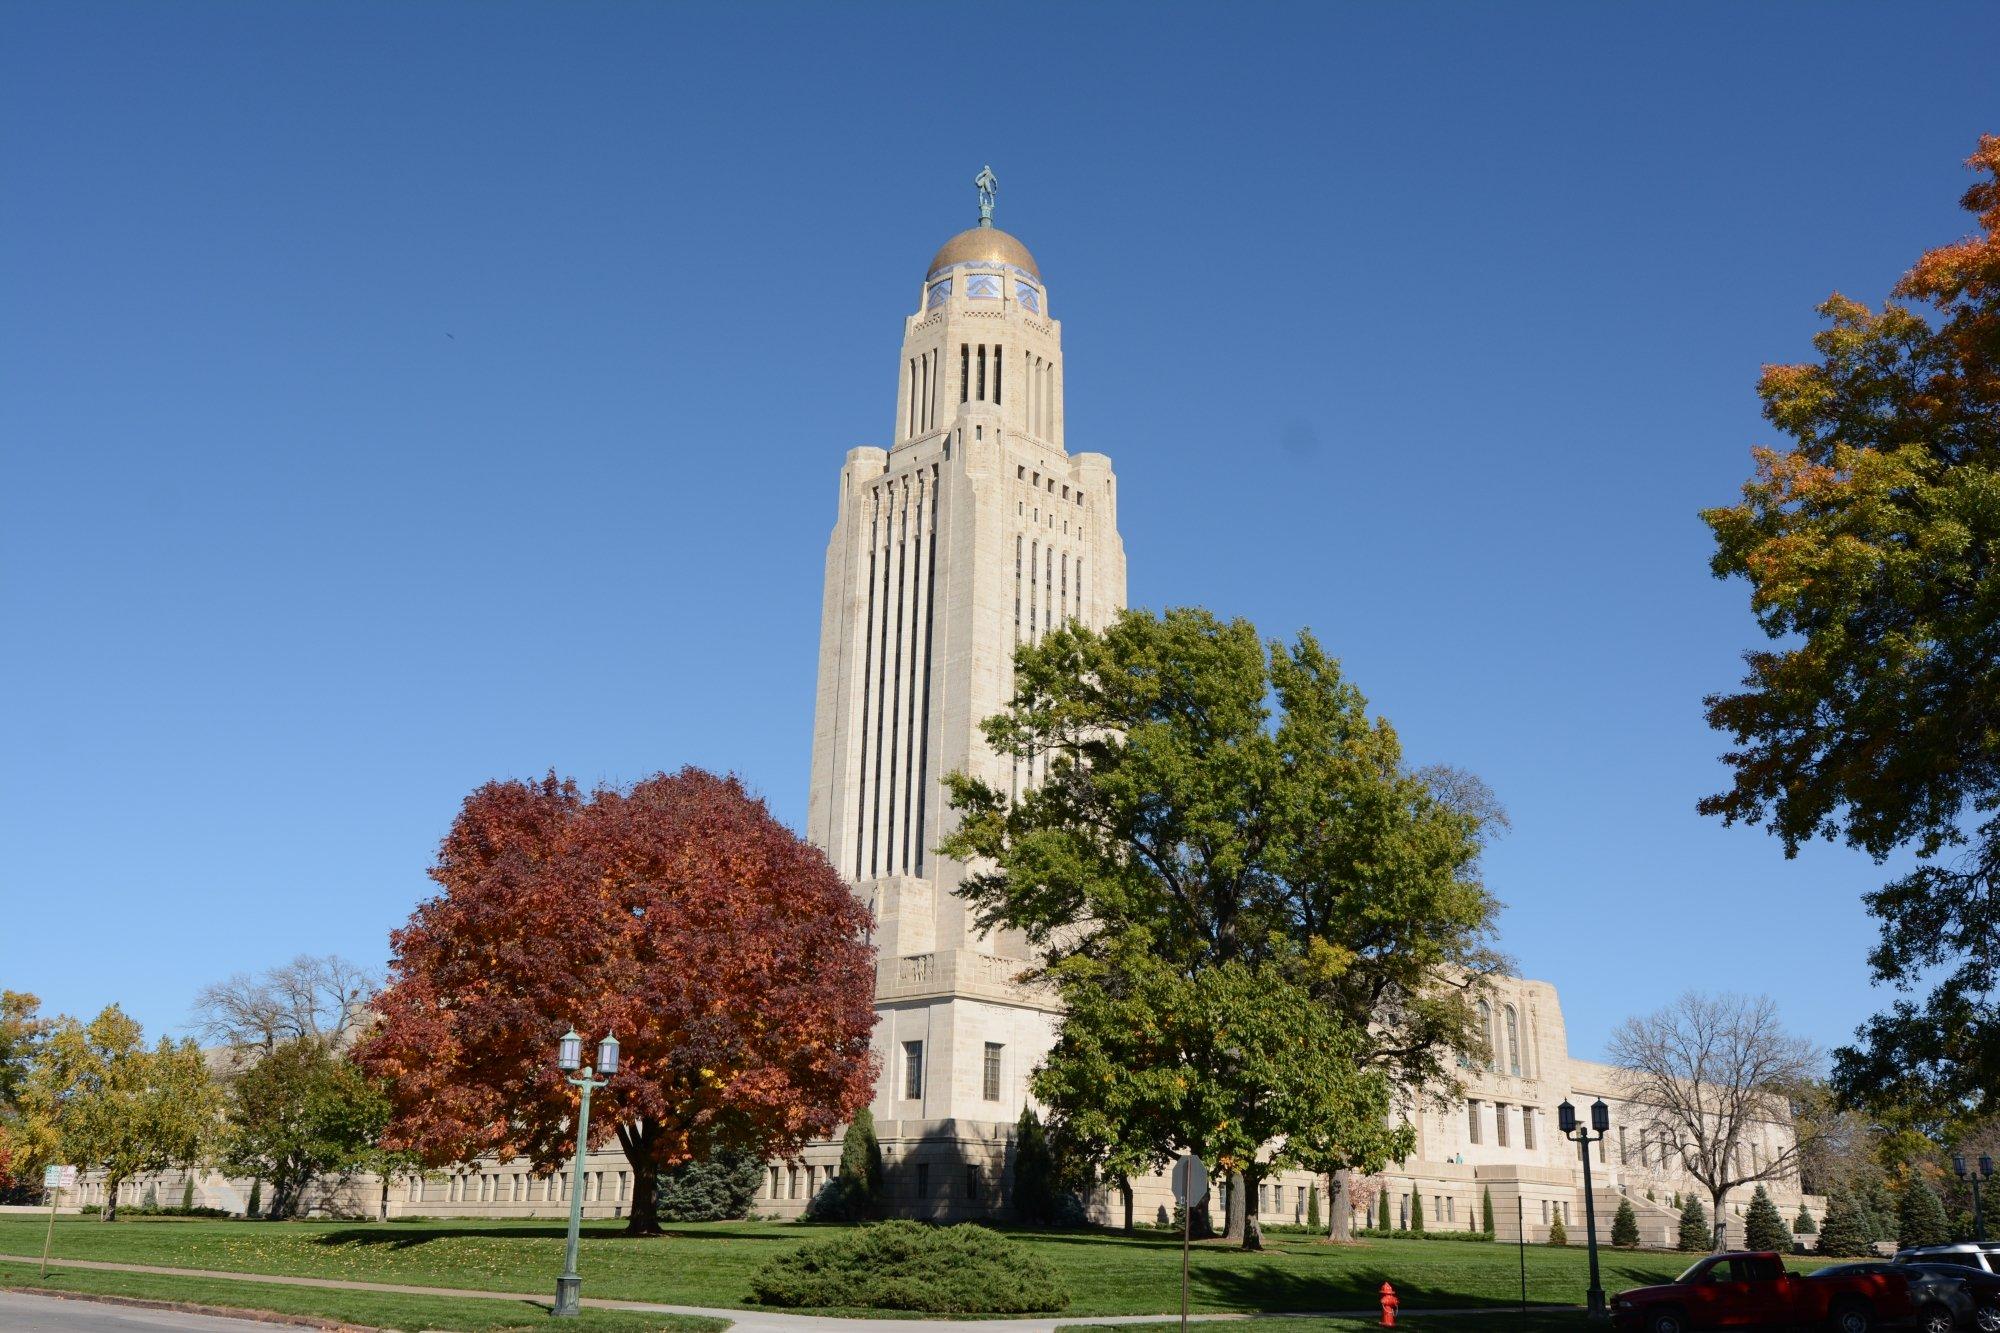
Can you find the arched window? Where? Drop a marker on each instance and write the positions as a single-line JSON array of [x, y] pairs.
[[1513, 1042], [1486, 1030]]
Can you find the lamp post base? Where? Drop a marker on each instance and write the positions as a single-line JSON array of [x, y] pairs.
[[569, 1298]]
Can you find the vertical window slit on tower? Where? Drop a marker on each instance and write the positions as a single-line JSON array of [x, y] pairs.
[[867, 679], [999, 360], [919, 533], [891, 694], [924, 732], [881, 707], [982, 372], [1034, 619], [964, 370]]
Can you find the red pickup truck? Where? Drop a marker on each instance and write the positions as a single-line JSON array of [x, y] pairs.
[[1751, 1289]]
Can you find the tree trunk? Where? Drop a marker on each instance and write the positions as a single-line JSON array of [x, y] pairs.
[[111, 1185], [1253, 1231], [1339, 1225], [1125, 1193], [644, 1219], [1232, 1209], [1721, 1224]]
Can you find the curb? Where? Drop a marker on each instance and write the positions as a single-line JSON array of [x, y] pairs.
[[190, 1307]]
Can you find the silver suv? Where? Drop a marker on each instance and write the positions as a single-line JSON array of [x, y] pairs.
[[1983, 1255]]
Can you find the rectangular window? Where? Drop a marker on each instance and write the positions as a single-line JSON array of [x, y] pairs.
[[923, 1180], [913, 1070], [794, 1183], [1623, 1160], [964, 370], [1500, 1123], [1472, 1121], [1528, 1127], [991, 1080], [971, 1182]]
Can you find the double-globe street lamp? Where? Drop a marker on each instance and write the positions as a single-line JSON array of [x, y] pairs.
[[1985, 1172], [1600, 1120], [569, 1055]]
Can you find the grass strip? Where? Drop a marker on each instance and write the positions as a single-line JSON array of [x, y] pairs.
[[364, 1309]]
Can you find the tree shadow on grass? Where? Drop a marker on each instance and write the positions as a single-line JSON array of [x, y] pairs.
[[403, 1236], [1272, 1290]]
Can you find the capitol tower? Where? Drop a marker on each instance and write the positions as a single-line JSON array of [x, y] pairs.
[[976, 531]]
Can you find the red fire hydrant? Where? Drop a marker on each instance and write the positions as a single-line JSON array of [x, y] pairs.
[[1389, 1304]]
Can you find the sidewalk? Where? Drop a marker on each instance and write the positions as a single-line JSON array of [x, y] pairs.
[[749, 1321]]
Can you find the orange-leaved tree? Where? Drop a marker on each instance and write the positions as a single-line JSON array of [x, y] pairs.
[[726, 954]]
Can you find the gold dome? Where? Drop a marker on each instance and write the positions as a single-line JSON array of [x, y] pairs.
[[984, 245]]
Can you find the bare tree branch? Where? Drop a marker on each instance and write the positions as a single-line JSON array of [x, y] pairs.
[[1706, 1074], [325, 999]]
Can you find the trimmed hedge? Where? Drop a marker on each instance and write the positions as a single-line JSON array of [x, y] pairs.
[[1375, 1233], [904, 1265]]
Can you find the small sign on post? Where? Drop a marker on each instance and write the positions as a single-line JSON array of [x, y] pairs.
[[1190, 1179], [55, 1179]]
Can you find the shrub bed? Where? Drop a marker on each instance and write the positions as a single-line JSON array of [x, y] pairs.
[[909, 1266]]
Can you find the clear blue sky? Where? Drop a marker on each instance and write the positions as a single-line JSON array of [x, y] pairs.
[[395, 398]]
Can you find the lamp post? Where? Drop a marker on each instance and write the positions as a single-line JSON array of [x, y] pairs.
[[1985, 1172], [1600, 1120], [569, 1054]]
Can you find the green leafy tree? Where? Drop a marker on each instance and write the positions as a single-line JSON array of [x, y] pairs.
[[1312, 1206], [1920, 1218], [1763, 1227], [1694, 1234], [1803, 1224], [856, 1192], [109, 1104], [1842, 1231], [1625, 1226], [1558, 1233], [1486, 1210], [1872, 551], [1211, 800], [1383, 1223], [301, 1113], [717, 1188]]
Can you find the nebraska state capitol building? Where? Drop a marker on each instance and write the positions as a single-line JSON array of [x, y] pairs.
[[977, 531]]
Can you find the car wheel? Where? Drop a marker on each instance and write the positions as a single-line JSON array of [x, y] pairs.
[[1936, 1319], [1666, 1321], [1853, 1319], [1987, 1319]]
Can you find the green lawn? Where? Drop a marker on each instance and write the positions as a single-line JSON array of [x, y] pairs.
[[1537, 1321], [373, 1309], [711, 1264]]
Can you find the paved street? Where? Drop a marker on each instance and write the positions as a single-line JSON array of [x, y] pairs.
[[20, 1314]]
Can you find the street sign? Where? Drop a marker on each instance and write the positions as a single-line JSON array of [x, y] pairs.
[[51, 1177], [1190, 1180], [67, 1181]]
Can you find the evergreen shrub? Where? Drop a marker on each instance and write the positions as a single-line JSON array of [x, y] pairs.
[[1695, 1235], [1920, 1219], [718, 1189], [1763, 1227], [1558, 1233], [1625, 1226], [1416, 1212], [1312, 1206], [1486, 1210], [857, 1192], [905, 1265], [1803, 1224], [1843, 1231]]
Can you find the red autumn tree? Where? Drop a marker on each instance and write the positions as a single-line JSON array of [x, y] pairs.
[[726, 954]]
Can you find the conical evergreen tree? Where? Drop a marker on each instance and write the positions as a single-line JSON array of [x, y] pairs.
[[1034, 1171], [1416, 1211], [1312, 1207], [1382, 1222], [1625, 1226], [1695, 1235], [1486, 1210], [1841, 1231], [256, 1204], [858, 1191], [1878, 1210], [1921, 1220], [1558, 1233], [1803, 1224], [1763, 1228]]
